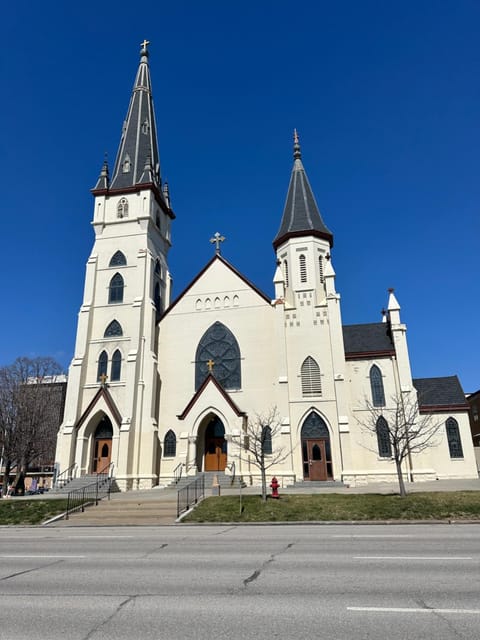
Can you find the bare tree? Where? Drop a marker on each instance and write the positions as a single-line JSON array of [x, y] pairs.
[[30, 403], [401, 430], [259, 441]]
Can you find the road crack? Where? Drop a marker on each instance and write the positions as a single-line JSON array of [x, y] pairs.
[[256, 574], [110, 617], [456, 632], [21, 573]]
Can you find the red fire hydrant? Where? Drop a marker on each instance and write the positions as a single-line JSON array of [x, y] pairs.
[[274, 485]]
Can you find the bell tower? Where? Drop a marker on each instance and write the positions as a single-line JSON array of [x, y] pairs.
[[127, 286]]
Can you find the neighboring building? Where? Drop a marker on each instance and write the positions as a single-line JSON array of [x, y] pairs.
[[156, 385], [473, 400]]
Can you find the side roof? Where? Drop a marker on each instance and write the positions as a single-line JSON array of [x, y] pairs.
[[363, 340], [440, 393]]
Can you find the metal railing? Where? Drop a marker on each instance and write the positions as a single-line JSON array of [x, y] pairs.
[[91, 493], [190, 495], [231, 468], [177, 473], [66, 476]]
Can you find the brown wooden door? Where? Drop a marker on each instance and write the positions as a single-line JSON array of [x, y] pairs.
[[215, 454], [101, 454], [317, 461]]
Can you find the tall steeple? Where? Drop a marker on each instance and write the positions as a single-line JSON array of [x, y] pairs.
[[138, 160], [301, 216]]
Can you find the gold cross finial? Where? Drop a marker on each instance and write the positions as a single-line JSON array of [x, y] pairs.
[[103, 379], [210, 364], [217, 239]]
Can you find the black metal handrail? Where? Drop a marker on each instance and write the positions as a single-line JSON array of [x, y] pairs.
[[78, 499], [177, 473], [231, 468], [190, 495], [68, 474]]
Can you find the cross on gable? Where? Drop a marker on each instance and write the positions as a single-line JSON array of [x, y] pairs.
[[103, 379], [217, 239], [210, 364]]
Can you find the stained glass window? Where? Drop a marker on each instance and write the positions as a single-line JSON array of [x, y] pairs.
[[115, 290], [454, 440], [118, 260], [383, 438], [376, 385], [219, 347], [116, 366], [102, 365], [113, 330], [170, 445]]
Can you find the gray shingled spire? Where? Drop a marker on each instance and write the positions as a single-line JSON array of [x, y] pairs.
[[103, 181], [301, 216], [137, 158]]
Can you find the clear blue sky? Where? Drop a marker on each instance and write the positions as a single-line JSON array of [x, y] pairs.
[[386, 99]]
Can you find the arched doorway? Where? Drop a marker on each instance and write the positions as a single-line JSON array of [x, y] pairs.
[[215, 445], [316, 449], [102, 445]]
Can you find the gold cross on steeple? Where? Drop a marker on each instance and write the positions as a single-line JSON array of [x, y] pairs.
[[145, 44], [210, 364]]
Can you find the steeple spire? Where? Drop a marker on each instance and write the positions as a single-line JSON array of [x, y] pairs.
[[301, 216], [137, 157]]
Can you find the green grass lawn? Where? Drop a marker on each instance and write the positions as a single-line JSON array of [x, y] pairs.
[[15, 511], [461, 505]]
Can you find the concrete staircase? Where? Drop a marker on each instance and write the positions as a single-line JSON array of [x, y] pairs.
[[315, 485], [224, 481], [84, 481]]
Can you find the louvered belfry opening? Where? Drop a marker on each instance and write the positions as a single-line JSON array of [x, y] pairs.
[[311, 380]]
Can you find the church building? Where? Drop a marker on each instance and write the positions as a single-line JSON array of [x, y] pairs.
[[160, 387]]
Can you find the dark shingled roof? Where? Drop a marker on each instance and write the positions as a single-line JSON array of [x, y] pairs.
[[301, 216], [437, 392], [138, 144], [367, 338]]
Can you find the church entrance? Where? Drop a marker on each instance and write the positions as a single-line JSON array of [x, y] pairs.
[[102, 445], [316, 449], [215, 446]]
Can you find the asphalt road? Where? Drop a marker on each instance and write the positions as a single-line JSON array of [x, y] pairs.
[[288, 581]]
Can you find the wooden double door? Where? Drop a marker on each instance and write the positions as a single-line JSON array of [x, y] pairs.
[[102, 453], [215, 446], [317, 463]]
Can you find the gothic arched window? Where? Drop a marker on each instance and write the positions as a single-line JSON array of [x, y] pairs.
[[116, 369], [310, 374], [267, 440], [117, 260], [383, 438], [115, 290], [454, 440], [157, 298], [376, 385], [170, 445], [122, 208], [320, 267], [113, 330], [102, 365], [218, 352], [303, 268], [285, 272]]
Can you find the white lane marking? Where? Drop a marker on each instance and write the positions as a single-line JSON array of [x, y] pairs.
[[373, 535], [442, 558], [38, 556], [411, 610], [91, 537]]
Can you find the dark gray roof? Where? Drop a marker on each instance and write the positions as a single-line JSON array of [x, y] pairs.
[[439, 391], [301, 216], [367, 338], [138, 149]]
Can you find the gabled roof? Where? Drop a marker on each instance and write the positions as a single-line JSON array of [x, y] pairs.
[[210, 379], [103, 392], [301, 216], [363, 340], [440, 393], [220, 258]]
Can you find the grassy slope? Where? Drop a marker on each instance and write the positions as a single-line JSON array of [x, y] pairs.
[[29, 511], [417, 506]]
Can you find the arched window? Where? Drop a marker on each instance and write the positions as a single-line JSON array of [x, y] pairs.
[[454, 440], [383, 438], [102, 365], [170, 445], [115, 290], [157, 299], [218, 352], [122, 208], [376, 385], [113, 330], [116, 369], [267, 440], [158, 269], [117, 260], [285, 272], [320, 267], [303, 268], [310, 374]]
